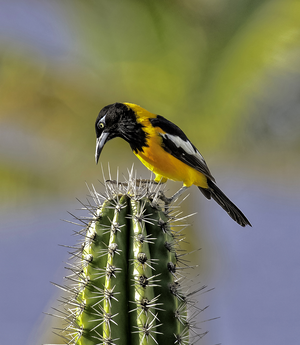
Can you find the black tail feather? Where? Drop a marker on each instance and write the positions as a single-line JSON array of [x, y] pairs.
[[215, 193]]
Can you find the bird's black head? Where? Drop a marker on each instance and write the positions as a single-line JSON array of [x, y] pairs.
[[118, 120]]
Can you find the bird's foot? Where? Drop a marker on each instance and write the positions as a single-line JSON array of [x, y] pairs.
[[163, 198], [117, 182], [138, 182], [173, 198], [145, 181]]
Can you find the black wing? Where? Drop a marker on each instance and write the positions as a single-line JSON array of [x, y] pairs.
[[176, 143]]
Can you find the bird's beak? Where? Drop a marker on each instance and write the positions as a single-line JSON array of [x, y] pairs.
[[100, 144]]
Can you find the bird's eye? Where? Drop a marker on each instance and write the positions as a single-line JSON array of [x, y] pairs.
[[100, 125]]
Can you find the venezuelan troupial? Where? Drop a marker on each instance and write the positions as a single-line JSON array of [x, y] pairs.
[[163, 148]]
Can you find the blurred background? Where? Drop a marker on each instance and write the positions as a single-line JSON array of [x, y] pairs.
[[228, 73]]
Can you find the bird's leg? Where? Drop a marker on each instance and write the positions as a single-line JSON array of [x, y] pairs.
[[178, 193]]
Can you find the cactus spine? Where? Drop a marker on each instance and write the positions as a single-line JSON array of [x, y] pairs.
[[126, 287]]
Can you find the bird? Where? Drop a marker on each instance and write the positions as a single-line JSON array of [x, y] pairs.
[[164, 149]]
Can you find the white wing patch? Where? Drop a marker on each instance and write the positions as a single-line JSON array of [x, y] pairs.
[[186, 146]]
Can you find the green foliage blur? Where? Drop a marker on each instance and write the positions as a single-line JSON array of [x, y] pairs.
[[226, 71]]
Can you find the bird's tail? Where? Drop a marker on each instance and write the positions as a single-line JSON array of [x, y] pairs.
[[214, 192]]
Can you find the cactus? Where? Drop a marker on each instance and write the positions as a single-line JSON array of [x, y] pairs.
[[126, 279]]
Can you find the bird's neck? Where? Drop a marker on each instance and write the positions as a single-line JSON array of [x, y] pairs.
[[134, 133]]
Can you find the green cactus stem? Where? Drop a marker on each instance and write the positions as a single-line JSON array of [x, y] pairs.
[[125, 285]]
